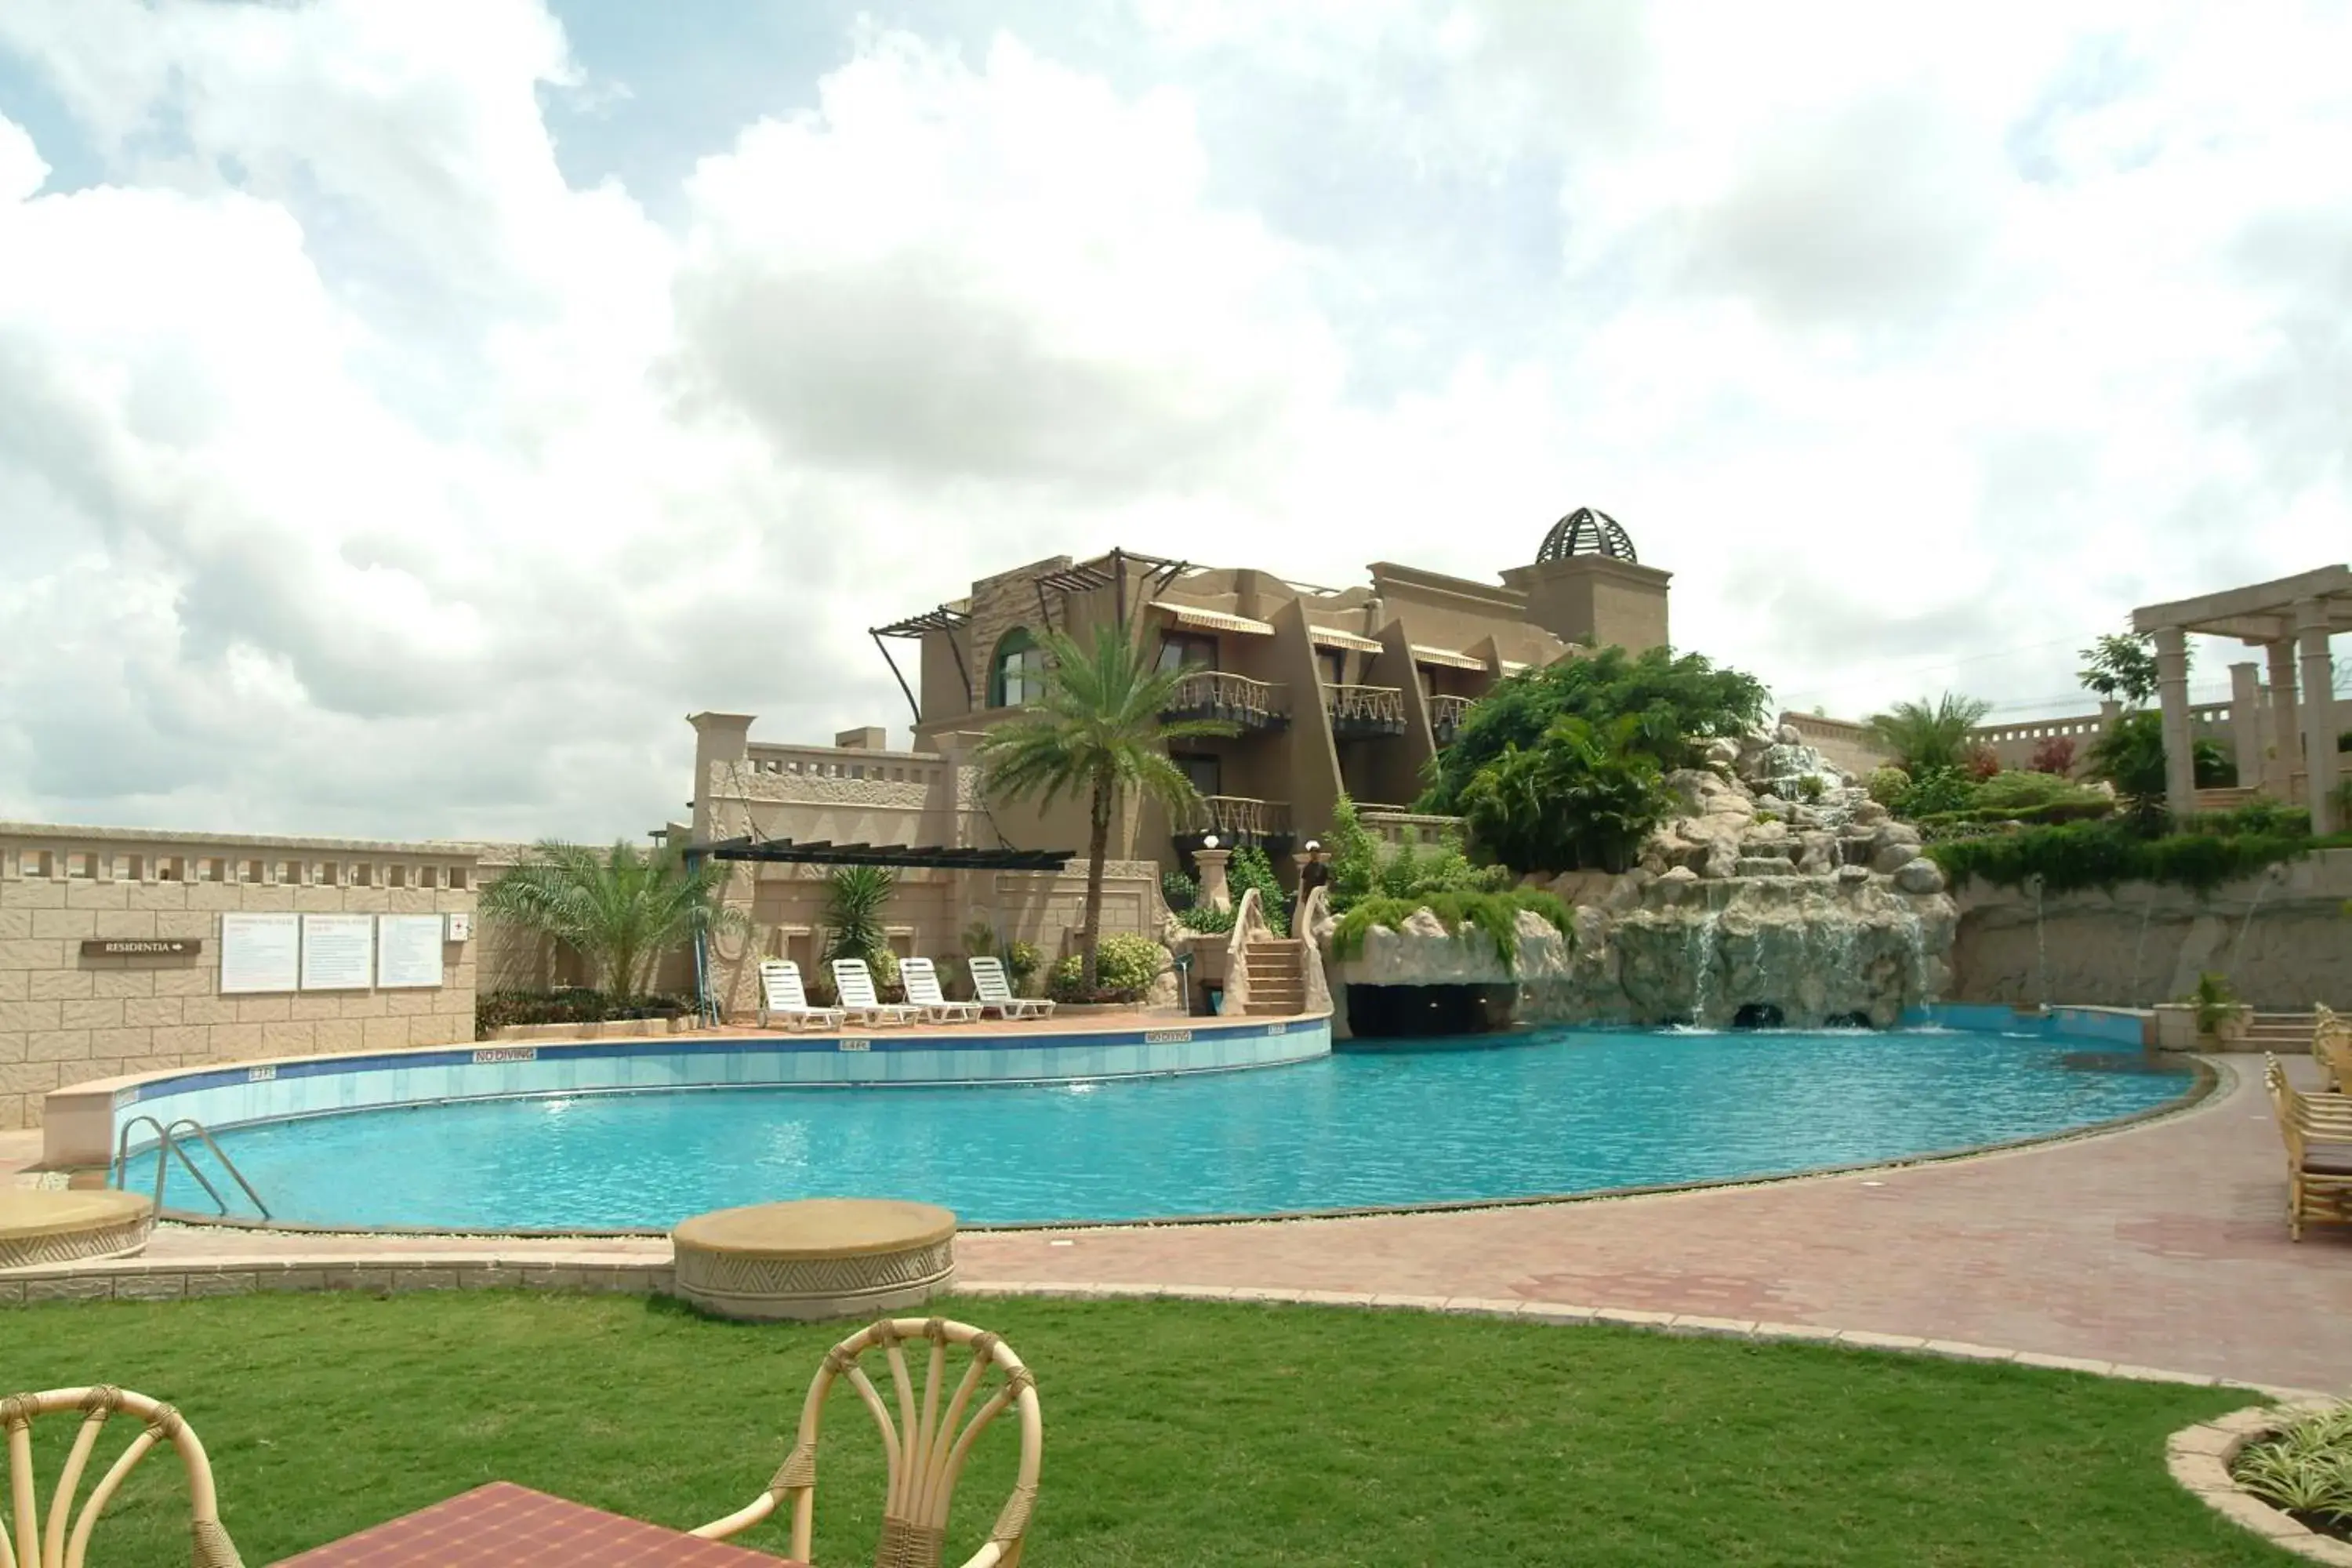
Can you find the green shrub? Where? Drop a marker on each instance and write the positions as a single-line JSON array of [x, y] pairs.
[[1675, 704], [1355, 855], [1495, 915], [2090, 809], [570, 1005], [2081, 855], [2015, 790], [1583, 797], [1886, 786], [1021, 962], [1181, 891], [1125, 967], [1207, 919], [1250, 869], [1934, 791], [1415, 871]]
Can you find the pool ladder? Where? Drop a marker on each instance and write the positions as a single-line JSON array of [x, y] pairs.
[[168, 1142]]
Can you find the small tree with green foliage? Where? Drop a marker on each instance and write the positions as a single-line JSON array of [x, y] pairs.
[[1929, 734], [2130, 756], [1095, 734], [2121, 668], [622, 908], [1248, 869], [1583, 799]]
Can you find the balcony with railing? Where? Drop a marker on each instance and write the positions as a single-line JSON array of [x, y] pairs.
[[1445, 716], [1358, 711], [1236, 699], [1239, 819]]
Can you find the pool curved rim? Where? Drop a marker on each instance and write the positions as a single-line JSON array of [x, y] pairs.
[[2205, 1076]]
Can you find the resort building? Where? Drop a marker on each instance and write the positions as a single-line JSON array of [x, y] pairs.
[[1331, 690]]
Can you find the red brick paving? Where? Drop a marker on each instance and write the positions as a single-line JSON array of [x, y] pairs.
[[2162, 1245]]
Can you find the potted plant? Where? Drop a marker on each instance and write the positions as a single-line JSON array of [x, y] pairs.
[[2221, 1019]]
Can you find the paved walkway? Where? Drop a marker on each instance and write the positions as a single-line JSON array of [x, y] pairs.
[[2162, 1245]]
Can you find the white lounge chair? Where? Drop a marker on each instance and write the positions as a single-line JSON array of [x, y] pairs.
[[854, 982], [988, 983], [920, 976], [783, 996]]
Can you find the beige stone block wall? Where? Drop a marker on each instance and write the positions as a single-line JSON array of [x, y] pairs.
[[2280, 938], [65, 1017]]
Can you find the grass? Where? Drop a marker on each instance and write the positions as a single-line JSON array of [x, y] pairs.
[[1175, 1434]]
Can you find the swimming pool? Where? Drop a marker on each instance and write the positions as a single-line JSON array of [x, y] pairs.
[[1557, 1111]]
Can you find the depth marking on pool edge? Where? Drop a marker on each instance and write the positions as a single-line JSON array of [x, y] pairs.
[[1167, 1036], [506, 1054], [848, 1044]]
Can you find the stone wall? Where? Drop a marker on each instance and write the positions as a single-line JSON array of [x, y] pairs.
[[67, 1015], [2141, 945]]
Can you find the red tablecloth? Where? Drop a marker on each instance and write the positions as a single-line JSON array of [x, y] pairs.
[[506, 1526]]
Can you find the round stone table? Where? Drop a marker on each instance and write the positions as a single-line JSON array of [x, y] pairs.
[[39, 1226], [818, 1258]]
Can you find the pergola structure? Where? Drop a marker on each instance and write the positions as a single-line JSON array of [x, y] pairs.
[[929, 857], [2291, 618]]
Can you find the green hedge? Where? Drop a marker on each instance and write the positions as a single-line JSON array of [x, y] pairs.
[[572, 1005], [2047, 815], [1495, 914], [2076, 856]]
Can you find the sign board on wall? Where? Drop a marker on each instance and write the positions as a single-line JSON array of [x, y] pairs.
[[141, 947], [338, 951], [260, 952], [407, 952]]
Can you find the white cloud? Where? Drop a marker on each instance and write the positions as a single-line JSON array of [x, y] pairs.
[[358, 471]]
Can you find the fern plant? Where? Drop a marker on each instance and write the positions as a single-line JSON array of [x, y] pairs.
[[1495, 916]]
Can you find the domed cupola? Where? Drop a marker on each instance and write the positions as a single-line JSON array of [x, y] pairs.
[[1587, 530]]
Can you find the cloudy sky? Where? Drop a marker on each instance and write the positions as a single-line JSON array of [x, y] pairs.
[[409, 410]]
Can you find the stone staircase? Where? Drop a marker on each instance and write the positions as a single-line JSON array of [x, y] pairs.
[[1278, 977], [2285, 1033]]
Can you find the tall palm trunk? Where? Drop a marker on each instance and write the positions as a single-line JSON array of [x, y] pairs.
[[1098, 847]]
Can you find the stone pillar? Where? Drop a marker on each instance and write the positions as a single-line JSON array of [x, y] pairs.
[[2318, 715], [2246, 722], [2172, 698], [2286, 741], [1214, 892]]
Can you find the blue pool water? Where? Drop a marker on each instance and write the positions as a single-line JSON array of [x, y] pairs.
[[1557, 1111]]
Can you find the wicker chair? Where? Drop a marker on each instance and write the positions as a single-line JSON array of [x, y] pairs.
[[55, 1547], [2317, 1131], [2331, 1044], [925, 1445]]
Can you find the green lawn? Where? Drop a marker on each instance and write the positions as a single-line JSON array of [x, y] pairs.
[[1175, 1434]]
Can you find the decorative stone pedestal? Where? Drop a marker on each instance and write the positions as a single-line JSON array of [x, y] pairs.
[[819, 1258], [40, 1226]]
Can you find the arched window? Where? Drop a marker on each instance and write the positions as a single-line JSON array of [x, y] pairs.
[[1016, 675]]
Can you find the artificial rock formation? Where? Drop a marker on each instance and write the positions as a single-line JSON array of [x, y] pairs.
[[1778, 892]]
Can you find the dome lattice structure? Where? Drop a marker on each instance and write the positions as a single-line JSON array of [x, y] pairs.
[[1587, 530]]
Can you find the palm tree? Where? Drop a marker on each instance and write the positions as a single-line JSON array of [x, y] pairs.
[[1920, 735], [1097, 731], [621, 909]]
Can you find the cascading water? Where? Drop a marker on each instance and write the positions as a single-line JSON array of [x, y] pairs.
[[1702, 937]]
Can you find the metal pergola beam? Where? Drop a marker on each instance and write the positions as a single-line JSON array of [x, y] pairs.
[[929, 857]]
